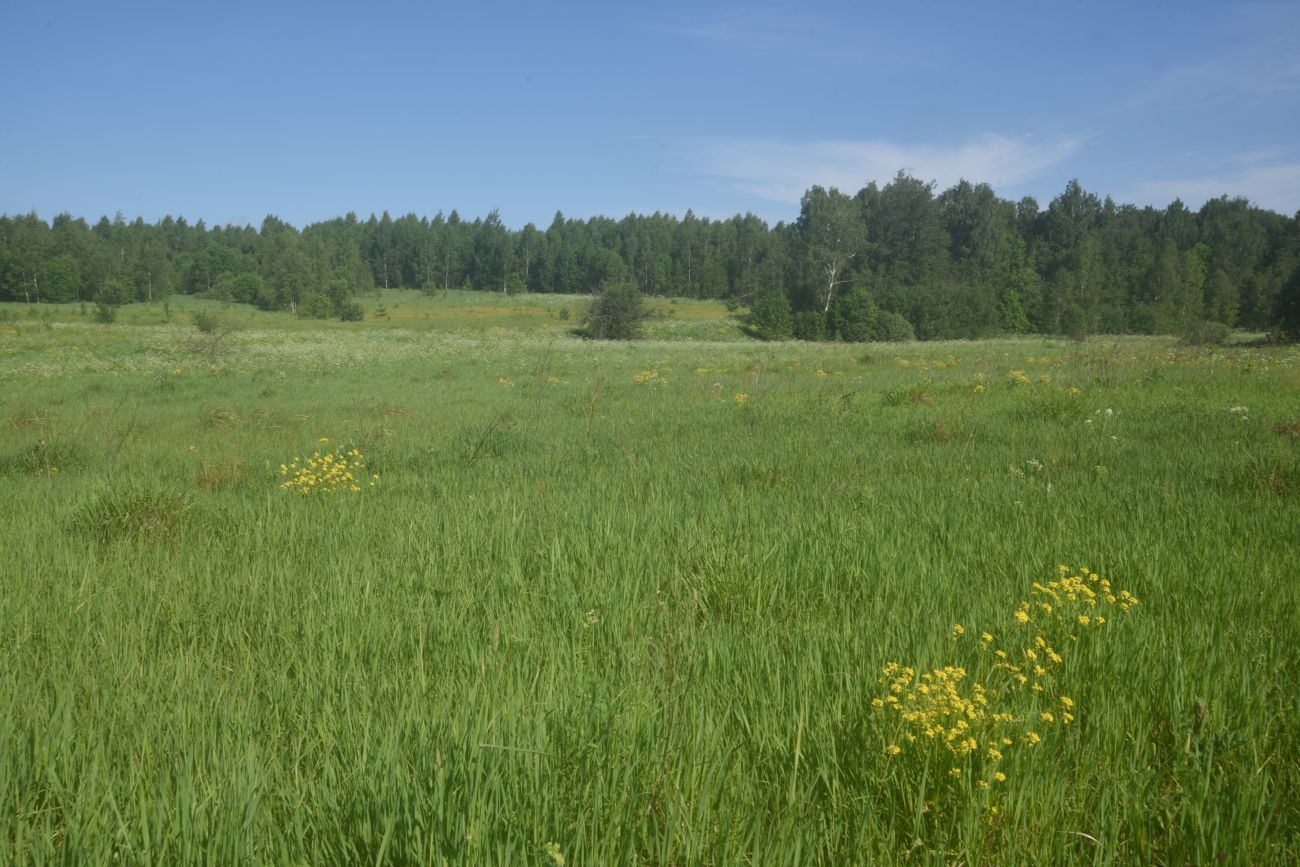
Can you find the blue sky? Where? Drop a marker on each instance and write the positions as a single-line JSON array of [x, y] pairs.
[[229, 111]]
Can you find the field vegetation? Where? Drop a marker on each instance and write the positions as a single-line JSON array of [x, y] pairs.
[[452, 585]]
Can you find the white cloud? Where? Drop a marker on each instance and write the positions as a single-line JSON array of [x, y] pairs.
[[782, 171], [1275, 186]]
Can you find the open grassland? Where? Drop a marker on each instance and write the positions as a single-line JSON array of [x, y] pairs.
[[693, 600], [458, 312]]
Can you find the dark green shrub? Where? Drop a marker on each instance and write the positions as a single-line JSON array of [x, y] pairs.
[[854, 315], [771, 317], [205, 322], [893, 328], [810, 325], [316, 306], [1286, 309], [1206, 334], [616, 314], [243, 288], [114, 292]]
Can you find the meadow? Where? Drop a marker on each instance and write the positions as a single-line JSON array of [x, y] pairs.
[[694, 599]]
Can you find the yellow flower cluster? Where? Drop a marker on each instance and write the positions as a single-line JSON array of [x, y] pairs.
[[940, 707], [925, 363], [327, 473], [1073, 600], [649, 377], [975, 720], [1019, 377]]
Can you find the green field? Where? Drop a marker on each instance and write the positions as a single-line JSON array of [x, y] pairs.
[[634, 603]]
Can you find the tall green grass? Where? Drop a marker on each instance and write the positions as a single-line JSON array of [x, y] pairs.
[[587, 617]]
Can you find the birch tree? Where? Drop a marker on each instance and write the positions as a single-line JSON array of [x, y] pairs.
[[831, 229]]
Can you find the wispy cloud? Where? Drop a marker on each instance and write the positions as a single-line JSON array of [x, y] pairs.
[[1261, 72], [782, 171], [751, 28], [1258, 64], [1275, 186]]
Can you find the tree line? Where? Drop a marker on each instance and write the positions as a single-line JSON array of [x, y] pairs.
[[887, 262]]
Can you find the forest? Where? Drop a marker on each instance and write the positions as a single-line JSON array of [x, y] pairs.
[[891, 262]]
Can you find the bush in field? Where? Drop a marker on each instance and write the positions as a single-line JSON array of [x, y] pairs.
[[854, 315], [243, 288], [616, 314], [351, 311], [212, 341], [110, 296], [205, 322], [1286, 309], [770, 315], [114, 292], [1206, 334], [316, 306], [810, 325], [893, 328]]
